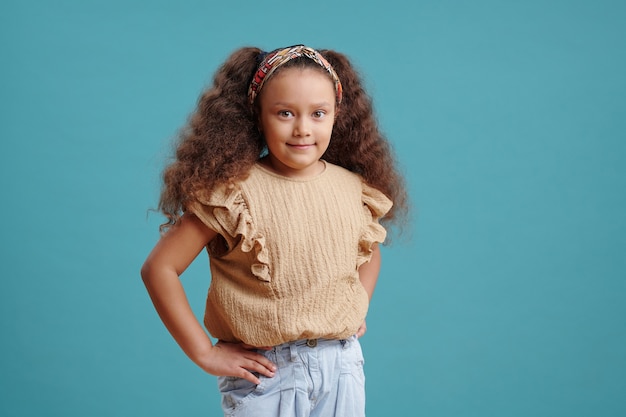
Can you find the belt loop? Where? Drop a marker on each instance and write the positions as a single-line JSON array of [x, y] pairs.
[[293, 352]]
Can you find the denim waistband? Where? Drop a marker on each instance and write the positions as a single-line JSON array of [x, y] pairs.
[[294, 346]]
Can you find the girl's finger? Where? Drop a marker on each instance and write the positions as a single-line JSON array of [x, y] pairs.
[[264, 369], [266, 364]]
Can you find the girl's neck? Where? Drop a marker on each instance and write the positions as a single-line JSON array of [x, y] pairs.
[[313, 171]]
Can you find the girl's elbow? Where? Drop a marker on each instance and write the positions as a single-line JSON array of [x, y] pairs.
[[145, 271], [154, 271]]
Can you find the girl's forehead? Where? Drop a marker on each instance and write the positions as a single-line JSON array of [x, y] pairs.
[[300, 84], [297, 87], [298, 75]]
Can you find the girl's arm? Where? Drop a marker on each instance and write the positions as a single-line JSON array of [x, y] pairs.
[[161, 271], [368, 274]]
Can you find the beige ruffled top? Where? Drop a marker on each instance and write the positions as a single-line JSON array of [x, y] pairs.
[[285, 264]]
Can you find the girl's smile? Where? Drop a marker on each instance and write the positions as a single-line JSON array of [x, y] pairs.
[[296, 117]]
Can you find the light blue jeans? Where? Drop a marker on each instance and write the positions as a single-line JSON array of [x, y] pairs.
[[316, 378]]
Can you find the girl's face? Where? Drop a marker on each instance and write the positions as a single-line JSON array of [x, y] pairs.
[[296, 117]]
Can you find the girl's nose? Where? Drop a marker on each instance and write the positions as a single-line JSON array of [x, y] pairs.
[[302, 128]]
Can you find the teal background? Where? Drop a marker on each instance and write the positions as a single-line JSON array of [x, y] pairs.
[[508, 299]]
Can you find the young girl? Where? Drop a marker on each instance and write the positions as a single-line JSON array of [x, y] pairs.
[[283, 176]]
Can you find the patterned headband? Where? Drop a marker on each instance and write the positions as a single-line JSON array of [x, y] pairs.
[[271, 61]]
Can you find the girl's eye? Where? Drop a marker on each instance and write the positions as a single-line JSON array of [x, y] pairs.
[[285, 113], [319, 114]]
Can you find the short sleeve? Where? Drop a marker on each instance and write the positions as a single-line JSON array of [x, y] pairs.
[[375, 206], [225, 211]]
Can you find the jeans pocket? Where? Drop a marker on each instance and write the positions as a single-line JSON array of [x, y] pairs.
[[351, 388], [235, 391], [353, 361]]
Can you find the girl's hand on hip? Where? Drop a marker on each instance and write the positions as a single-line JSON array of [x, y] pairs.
[[238, 360], [361, 330]]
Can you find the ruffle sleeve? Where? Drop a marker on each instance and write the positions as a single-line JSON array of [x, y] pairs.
[[375, 206], [226, 212]]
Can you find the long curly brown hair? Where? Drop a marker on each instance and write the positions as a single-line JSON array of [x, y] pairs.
[[222, 141]]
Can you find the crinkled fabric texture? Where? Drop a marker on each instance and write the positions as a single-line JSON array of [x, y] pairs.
[[285, 264]]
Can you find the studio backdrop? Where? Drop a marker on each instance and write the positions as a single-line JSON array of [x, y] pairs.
[[505, 294]]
